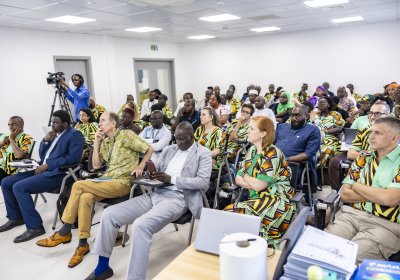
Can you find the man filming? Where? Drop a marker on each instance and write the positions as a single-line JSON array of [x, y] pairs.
[[79, 97]]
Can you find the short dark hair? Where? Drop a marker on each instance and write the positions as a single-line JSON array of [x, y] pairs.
[[155, 107], [157, 91], [334, 99], [309, 105], [217, 96], [189, 93], [89, 113], [63, 115], [81, 80], [249, 106], [163, 96], [186, 127], [18, 119]]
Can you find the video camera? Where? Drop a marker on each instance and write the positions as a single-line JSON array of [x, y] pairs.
[[53, 78]]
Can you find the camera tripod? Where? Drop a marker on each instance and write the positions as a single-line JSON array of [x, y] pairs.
[[63, 103]]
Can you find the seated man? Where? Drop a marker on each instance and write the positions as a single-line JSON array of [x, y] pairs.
[[147, 103], [61, 146], [186, 97], [16, 145], [300, 141], [261, 110], [186, 168], [372, 191], [126, 122], [96, 109], [119, 151], [157, 135], [188, 114], [360, 144]]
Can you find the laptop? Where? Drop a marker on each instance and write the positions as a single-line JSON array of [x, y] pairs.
[[215, 224]]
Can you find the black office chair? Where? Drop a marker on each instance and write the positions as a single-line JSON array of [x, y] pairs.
[[289, 240]]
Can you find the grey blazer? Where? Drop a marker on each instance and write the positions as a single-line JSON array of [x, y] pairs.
[[195, 176]]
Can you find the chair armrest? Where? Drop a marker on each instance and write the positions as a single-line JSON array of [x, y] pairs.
[[68, 166], [330, 199], [297, 197]]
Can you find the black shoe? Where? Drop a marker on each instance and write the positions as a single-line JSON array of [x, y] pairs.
[[30, 234], [102, 276], [11, 224]]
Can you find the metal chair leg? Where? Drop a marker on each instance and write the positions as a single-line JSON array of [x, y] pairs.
[[123, 236], [191, 231], [43, 197], [176, 227], [35, 200]]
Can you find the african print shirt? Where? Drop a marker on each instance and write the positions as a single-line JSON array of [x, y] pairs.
[[121, 154], [269, 166], [302, 98], [213, 140], [167, 111], [241, 134], [347, 104], [365, 171], [23, 141], [360, 142], [97, 111], [88, 131], [235, 104], [333, 120]]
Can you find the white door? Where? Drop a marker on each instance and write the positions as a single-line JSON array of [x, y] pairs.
[[152, 74]]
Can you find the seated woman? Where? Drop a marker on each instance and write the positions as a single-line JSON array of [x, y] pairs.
[[331, 125], [130, 103], [266, 174], [210, 135], [221, 110], [238, 129], [284, 108], [87, 125]]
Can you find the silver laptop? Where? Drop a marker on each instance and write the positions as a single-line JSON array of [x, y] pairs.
[[215, 224]]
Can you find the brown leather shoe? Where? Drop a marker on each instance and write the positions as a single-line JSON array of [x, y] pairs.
[[77, 258], [54, 240]]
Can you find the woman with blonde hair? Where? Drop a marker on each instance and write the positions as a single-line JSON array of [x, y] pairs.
[[265, 173], [210, 135]]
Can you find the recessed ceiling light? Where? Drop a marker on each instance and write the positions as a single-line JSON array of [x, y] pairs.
[[143, 29], [347, 19], [71, 19], [217, 18], [324, 3], [201, 37], [265, 29]]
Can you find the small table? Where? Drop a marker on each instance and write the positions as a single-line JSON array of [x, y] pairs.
[[195, 265]]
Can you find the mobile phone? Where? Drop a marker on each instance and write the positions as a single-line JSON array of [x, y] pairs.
[[150, 167]]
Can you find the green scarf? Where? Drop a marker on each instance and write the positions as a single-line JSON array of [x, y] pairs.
[[287, 106]]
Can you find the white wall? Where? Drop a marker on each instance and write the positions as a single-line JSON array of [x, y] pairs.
[[366, 55], [26, 56]]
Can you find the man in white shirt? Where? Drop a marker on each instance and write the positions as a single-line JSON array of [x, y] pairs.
[[157, 135], [147, 103], [262, 111], [185, 170]]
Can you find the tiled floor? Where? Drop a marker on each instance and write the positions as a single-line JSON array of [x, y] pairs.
[[27, 261]]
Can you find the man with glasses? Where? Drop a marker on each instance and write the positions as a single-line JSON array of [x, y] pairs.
[[157, 135], [79, 97], [359, 145], [300, 141]]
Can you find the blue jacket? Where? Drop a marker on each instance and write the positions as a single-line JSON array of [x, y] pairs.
[[80, 98], [68, 150]]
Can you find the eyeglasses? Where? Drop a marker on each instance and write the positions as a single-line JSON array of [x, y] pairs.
[[376, 114], [246, 112], [294, 115]]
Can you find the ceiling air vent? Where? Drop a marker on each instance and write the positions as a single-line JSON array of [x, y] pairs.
[[265, 17]]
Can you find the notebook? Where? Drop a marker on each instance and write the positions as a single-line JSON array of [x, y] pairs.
[[215, 224]]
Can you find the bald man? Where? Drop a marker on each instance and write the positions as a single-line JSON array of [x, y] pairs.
[[185, 169]]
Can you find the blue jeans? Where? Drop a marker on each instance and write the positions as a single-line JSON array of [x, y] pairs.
[[17, 190]]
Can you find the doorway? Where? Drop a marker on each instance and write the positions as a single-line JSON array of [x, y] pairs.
[[151, 74]]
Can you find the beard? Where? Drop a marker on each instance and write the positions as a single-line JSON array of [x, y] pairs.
[[298, 125]]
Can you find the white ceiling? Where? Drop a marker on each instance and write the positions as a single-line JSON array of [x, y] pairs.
[[179, 18]]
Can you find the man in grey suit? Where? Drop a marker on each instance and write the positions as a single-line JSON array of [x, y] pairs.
[[185, 168]]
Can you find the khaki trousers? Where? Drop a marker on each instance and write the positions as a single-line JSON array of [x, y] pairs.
[[83, 195], [377, 238]]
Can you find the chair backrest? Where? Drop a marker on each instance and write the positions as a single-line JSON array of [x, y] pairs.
[[290, 238], [31, 151], [349, 135], [295, 167]]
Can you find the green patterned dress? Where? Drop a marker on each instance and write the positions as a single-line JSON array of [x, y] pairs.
[[233, 146], [272, 204]]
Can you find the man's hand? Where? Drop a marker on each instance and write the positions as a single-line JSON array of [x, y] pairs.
[[62, 82], [161, 176], [5, 141], [14, 133], [41, 168], [138, 171], [50, 136], [99, 135], [180, 113]]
